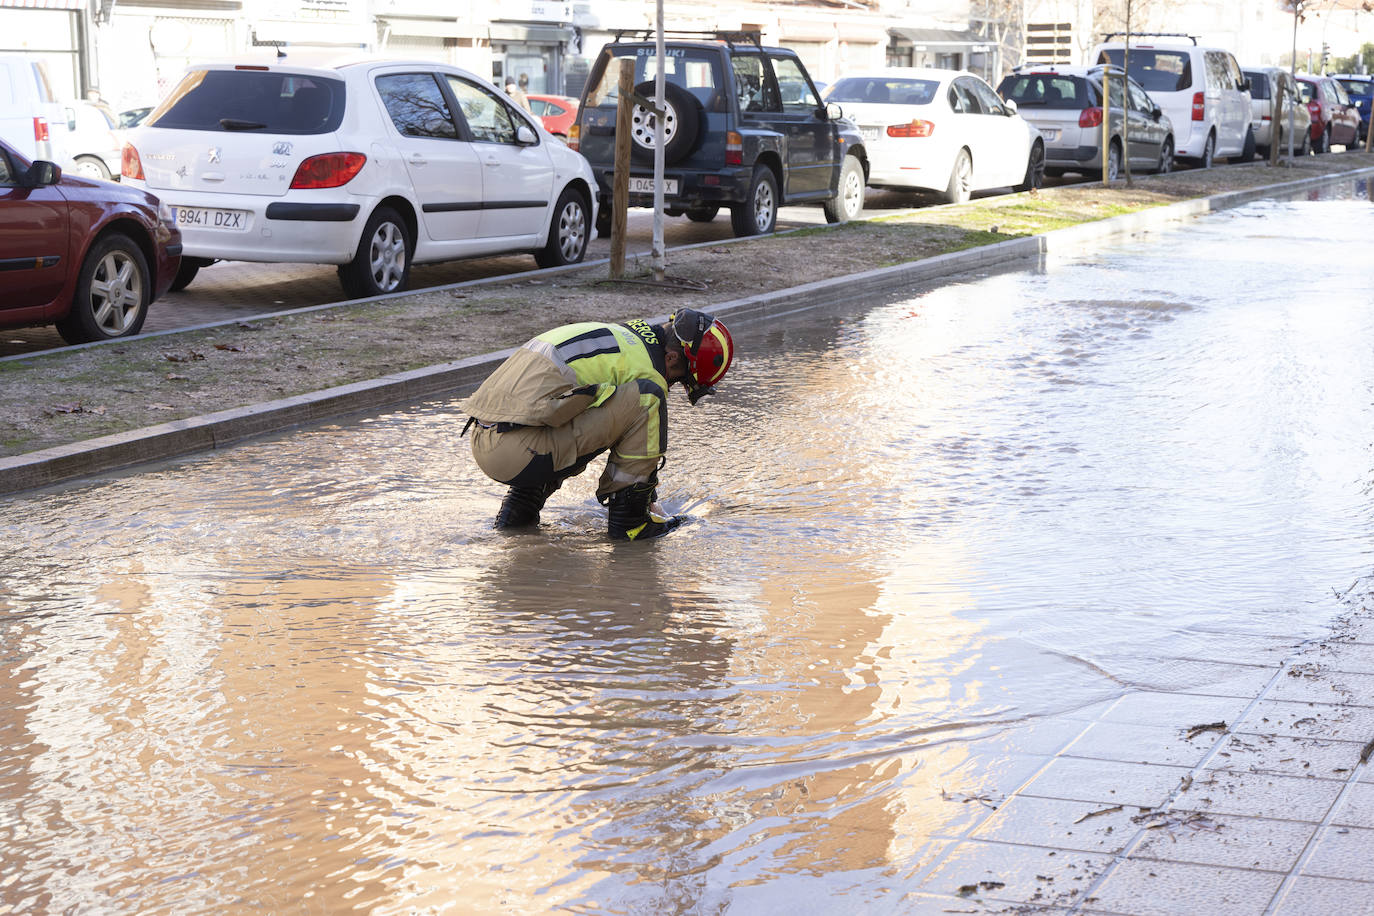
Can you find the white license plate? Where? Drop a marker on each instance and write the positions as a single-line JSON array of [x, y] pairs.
[[646, 185], [870, 133], [1050, 136], [207, 218]]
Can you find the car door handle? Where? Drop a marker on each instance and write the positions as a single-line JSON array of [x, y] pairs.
[[417, 159], [493, 162]]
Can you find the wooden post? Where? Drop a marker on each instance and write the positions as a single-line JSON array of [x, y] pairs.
[[1106, 124], [620, 177]]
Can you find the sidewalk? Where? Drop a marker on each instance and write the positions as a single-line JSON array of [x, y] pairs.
[[1252, 795], [218, 429]]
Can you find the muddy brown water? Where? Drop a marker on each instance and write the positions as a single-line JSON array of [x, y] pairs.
[[302, 675]]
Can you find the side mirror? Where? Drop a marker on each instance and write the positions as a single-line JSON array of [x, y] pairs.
[[1156, 113], [525, 136], [833, 111], [1245, 85], [42, 173], [1011, 107]]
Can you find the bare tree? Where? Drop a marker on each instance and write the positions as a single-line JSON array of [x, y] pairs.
[[1002, 23]]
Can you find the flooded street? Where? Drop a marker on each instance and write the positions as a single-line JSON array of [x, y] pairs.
[[303, 675]]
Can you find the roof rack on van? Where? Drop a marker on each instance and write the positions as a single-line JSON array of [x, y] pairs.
[[1111, 35], [731, 38]]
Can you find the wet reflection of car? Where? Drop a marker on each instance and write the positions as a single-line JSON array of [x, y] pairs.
[[91, 256], [939, 130], [1065, 105], [368, 164]]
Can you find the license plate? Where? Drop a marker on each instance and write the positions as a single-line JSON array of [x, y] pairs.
[[870, 133], [207, 218], [1049, 135], [646, 185]]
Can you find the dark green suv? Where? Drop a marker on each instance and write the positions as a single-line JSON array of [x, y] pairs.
[[744, 128]]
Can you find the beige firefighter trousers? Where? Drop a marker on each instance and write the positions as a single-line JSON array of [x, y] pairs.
[[620, 424]]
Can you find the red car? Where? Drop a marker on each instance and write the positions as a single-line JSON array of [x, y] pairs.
[[87, 256], [1335, 121], [556, 111]]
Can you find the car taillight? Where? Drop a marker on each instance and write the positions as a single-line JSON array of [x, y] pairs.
[[130, 166], [328, 170], [575, 137], [1315, 109], [40, 130], [734, 149], [916, 128], [1199, 107], [1090, 117]]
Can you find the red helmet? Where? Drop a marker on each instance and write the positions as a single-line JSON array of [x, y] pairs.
[[708, 347]]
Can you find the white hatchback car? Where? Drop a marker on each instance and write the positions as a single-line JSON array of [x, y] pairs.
[[368, 164], [939, 130]]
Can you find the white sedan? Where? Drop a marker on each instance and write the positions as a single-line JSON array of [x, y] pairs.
[[939, 130], [368, 164]]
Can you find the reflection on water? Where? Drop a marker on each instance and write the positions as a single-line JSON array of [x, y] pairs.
[[303, 675]]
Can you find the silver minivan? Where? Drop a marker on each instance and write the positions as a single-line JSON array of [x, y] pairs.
[[1202, 90]]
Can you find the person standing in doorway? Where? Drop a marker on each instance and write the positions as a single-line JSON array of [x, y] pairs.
[[516, 92]]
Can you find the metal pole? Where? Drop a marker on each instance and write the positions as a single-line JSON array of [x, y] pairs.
[[1126, 98], [1293, 78], [657, 258]]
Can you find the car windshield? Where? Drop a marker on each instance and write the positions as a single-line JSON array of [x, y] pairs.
[[1048, 90], [1355, 87], [695, 69], [1259, 86], [1156, 71], [898, 91], [252, 100]]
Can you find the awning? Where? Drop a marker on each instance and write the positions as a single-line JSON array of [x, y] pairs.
[[941, 38], [533, 34], [42, 4], [428, 28]]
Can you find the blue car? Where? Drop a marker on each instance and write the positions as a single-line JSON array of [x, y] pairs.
[[1360, 88]]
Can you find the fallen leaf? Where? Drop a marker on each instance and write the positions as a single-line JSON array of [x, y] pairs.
[[173, 377], [161, 407], [230, 347]]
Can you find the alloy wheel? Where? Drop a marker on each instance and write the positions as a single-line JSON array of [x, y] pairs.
[[116, 293], [387, 257]]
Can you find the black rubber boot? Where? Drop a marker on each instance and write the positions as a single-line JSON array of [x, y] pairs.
[[628, 517], [520, 508]]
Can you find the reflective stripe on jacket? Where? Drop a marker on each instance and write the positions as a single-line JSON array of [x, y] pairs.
[[562, 372]]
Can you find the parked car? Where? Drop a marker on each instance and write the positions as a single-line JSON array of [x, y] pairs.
[[557, 112], [31, 116], [939, 130], [93, 142], [91, 257], [1335, 121], [1065, 105], [1265, 84], [132, 117], [1201, 89], [1360, 88], [744, 129], [368, 164]]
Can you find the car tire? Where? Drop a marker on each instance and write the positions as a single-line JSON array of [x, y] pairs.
[[1166, 157], [703, 214], [112, 293], [1113, 162], [382, 262], [960, 179], [1209, 152], [848, 202], [186, 272], [1247, 153], [568, 231], [1322, 143], [91, 167], [1035, 169], [681, 124], [1306, 149], [758, 215]]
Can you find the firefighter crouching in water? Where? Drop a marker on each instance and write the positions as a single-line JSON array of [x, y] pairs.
[[572, 393]]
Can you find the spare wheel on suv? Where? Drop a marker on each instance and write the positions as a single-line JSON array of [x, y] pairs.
[[681, 123]]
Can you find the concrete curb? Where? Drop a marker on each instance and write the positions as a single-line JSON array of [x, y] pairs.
[[217, 430]]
